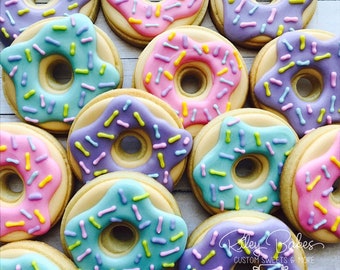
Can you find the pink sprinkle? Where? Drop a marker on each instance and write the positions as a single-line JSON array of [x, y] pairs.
[[159, 145], [99, 158], [329, 119], [137, 214], [270, 149], [222, 188], [287, 107], [82, 256], [42, 101], [239, 7], [272, 184], [213, 238], [290, 19], [159, 225], [73, 21], [186, 140], [87, 86], [107, 210], [38, 49], [309, 108], [272, 16], [11, 2], [231, 123], [169, 252], [276, 204], [333, 79], [2, 19], [83, 166], [290, 251], [68, 119], [260, 253], [86, 40], [276, 81], [248, 24], [285, 57], [250, 196], [32, 120], [314, 47], [246, 232], [165, 180], [83, 229], [196, 254], [18, 267], [221, 205], [203, 172], [123, 124], [13, 71]]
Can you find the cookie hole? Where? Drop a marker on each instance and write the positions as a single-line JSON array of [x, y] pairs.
[[131, 149], [55, 74], [264, 2], [192, 81], [119, 238], [11, 185], [250, 171], [336, 190], [307, 84]]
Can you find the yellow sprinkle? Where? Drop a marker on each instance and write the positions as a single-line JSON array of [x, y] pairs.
[[228, 136], [139, 119], [168, 75], [158, 10], [231, 1], [39, 216], [94, 222], [84, 71], [257, 138], [35, 265], [238, 59], [23, 11], [184, 109], [313, 183], [49, 12], [73, 246], [222, 71], [171, 36], [168, 265], [111, 118], [302, 42], [267, 89], [297, 1], [228, 106], [237, 202], [3, 148], [160, 157], [174, 138], [277, 251], [28, 161], [73, 6], [105, 135], [102, 69], [180, 58], [45, 181], [65, 112], [135, 21], [146, 248], [73, 48], [243, 245], [59, 27], [320, 207], [28, 55], [211, 254], [262, 199], [4, 32], [321, 115], [219, 173], [148, 77], [322, 57], [9, 224], [205, 48], [285, 68], [336, 224], [280, 30], [79, 146], [100, 172], [140, 197], [335, 161], [177, 236]]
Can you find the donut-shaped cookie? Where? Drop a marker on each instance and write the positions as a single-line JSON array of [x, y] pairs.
[[123, 220], [310, 191], [138, 22], [55, 67], [16, 16], [129, 129], [251, 23], [33, 255], [35, 181], [297, 76], [245, 239], [237, 159], [197, 71]]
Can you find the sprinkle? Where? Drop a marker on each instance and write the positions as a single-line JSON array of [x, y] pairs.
[[280, 30], [40, 217], [28, 161], [238, 59], [52, 41], [262, 199], [135, 21], [10, 224], [29, 94], [243, 245], [74, 245], [169, 252], [335, 161], [137, 214], [140, 197], [333, 79], [285, 68], [107, 210], [299, 114], [278, 250], [302, 42], [196, 254], [80, 147], [237, 202], [174, 138], [311, 186], [139, 119], [250, 196], [227, 250], [146, 248], [321, 223], [264, 237], [104, 135], [84, 254], [320, 207], [160, 157], [211, 254], [83, 229], [180, 58], [336, 224], [270, 149], [322, 57], [176, 237], [100, 172], [218, 173], [94, 223], [321, 115]]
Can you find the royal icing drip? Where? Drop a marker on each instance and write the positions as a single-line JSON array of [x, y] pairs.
[[246, 19], [175, 50], [313, 182], [91, 145], [213, 174], [75, 39], [28, 261], [150, 19], [297, 51], [16, 16], [161, 236], [41, 176], [269, 243]]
